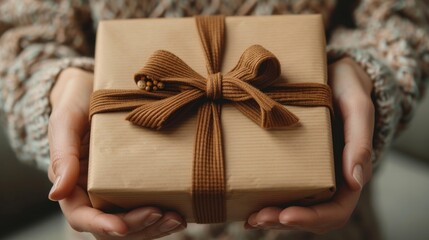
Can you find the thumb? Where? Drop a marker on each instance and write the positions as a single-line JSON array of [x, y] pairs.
[[66, 129], [358, 116]]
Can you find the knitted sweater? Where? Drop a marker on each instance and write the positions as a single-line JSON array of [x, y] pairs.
[[388, 38]]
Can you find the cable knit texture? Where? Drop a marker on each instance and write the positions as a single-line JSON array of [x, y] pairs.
[[388, 38]]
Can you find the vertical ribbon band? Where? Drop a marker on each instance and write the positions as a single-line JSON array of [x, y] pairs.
[[208, 180]]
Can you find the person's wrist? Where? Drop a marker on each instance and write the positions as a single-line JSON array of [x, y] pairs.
[[67, 77], [363, 76]]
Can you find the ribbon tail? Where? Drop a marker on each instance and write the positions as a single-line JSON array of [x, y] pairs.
[[159, 114], [117, 100], [209, 200], [169, 68], [260, 108], [277, 116], [302, 94]]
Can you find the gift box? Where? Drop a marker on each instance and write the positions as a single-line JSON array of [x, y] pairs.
[[132, 166]]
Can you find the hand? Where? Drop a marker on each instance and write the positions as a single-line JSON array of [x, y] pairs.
[[69, 145], [352, 96]]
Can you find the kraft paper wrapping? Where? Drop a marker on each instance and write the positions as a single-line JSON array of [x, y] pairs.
[[131, 166]]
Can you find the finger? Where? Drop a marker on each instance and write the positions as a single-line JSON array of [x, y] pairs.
[[83, 174], [84, 152], [352, 89], [358, 116], [66, 128], [82, 217], [178, 229], [252, 220], [83, 167], [248, 226], [143, 236], [323, 217], [141, 218], [84, 145], [83, 182], [51, 174], [171, 222], [266, 217]]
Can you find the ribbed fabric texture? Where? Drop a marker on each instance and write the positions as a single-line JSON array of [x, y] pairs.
[[250, 86]]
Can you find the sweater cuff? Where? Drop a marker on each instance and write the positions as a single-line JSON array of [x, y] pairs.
[[33, 147], [385, 96]]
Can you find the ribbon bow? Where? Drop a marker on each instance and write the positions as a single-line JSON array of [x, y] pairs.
[[250, 86], [256, 69]]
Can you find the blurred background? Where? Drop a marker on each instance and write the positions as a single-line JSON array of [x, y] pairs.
[[401, 188]]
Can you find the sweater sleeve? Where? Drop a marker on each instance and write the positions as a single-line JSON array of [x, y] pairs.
[[391, 42], [38, 39]]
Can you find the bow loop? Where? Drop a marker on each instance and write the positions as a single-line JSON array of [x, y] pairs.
[[166, 67], [256, 66], [260, 108]]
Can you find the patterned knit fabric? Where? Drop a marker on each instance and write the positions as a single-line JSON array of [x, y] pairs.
[[388, 38]]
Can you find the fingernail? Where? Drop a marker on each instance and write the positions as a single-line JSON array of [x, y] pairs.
[[248, 226], [115, 234], [181, 227], [169, 225], [54, 188], [151, 219], [265, 224], [268, 224], [358, 175], [252, 220], [287, 224]]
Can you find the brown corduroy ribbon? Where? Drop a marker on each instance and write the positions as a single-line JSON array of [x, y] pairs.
[[250, 86]]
